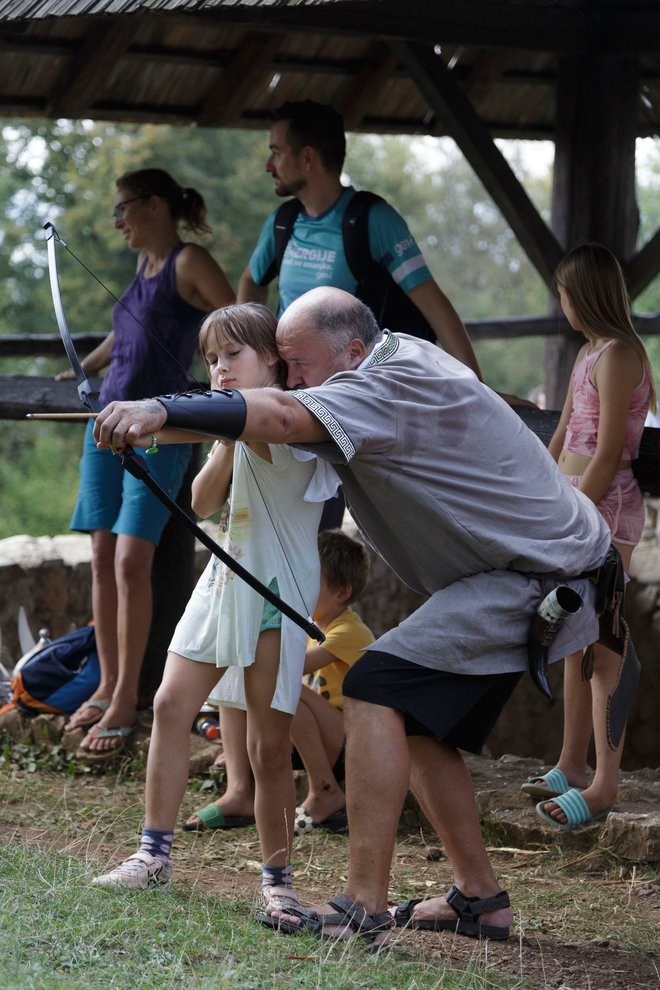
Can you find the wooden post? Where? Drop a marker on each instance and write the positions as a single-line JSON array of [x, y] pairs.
[[593, 196]]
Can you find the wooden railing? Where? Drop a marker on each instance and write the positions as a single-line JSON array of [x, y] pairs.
[[21, 394]]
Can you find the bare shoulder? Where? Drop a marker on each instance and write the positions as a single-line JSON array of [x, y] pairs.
[[621, 363], [192, 254], [622, 355]]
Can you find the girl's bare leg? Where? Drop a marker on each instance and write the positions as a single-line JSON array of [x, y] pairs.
[[269, 747], [185, 687], [601, 793], [577, 722]]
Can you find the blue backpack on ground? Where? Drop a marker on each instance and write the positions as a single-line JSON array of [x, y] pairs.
[[58, 678]]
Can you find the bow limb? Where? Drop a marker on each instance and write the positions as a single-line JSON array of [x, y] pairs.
[[88, 396], [137, 465]]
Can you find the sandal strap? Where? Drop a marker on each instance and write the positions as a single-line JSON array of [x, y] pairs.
[[573, 805], [471, 908], [211, 815], [281, 898], [554, 779], [356, 916]]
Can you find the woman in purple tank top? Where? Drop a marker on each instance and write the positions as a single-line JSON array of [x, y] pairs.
[[154, 338], [597, 439]]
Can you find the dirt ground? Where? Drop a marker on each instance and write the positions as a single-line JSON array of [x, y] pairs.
[[583, 919]]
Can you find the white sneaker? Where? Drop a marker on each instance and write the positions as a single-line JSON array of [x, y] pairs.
[[138, 872]]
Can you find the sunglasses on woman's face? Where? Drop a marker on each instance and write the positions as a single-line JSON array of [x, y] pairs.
[[120, 209]]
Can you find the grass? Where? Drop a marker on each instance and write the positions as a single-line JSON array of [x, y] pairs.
[[56, 931]]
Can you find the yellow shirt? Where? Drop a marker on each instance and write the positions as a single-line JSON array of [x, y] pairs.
[[346, 638]]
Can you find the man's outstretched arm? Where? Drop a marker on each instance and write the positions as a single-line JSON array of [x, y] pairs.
[[266, 415]]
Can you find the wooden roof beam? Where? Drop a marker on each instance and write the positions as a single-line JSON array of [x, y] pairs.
[[244, 74], [461, 122], [87, 73], [484, 73], [366, 88]]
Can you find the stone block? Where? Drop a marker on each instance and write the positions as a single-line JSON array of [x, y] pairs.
[[46, 730], [633, 836]]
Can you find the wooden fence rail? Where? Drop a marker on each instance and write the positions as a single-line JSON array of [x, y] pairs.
[[504, 328]]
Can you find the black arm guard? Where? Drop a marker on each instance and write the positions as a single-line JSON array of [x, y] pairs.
[[215, 412]]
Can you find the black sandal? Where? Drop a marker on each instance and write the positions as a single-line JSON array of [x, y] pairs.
[[468, 911], [354, 920], [350, 917]]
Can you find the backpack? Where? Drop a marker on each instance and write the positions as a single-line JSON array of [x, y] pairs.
[[392, 308], [58, 678]]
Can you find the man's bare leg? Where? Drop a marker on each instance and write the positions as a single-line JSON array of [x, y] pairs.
[[377, 772], [442, 784]]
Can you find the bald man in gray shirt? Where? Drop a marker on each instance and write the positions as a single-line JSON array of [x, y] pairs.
[[468, 508]]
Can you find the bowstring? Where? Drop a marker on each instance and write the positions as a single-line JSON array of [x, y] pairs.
[[277, 535]]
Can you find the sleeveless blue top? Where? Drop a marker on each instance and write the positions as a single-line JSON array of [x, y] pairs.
[[156, 337]]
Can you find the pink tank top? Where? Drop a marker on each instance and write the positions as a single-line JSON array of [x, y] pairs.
[[582, 430]]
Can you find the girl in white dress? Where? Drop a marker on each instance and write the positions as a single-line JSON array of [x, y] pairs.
[[272, 530]]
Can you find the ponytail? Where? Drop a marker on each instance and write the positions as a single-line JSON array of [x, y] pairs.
[[186, 206]]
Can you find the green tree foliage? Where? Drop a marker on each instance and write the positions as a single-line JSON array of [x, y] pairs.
[[468, 245], [648, 197], [38, 477]]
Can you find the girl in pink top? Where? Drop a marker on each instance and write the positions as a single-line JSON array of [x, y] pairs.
[[595, 442]]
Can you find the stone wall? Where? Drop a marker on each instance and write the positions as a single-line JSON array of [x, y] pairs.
[[50, 577]]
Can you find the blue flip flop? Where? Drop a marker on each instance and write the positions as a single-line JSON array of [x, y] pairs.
[[549, 785], [574, 807]]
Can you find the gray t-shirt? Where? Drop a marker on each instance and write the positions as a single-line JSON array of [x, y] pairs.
[[458, 496]]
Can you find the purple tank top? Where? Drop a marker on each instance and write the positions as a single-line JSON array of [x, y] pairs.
[[156, 337]]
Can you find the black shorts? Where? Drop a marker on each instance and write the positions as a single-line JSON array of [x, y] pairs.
[[459, 709]]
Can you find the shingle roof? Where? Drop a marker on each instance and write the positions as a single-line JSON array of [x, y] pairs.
[[230, 62]]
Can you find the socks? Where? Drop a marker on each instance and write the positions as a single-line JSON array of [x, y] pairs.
[[157, 843], [276, 876]]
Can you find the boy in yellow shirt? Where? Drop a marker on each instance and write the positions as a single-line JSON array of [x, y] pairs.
[[317, 731]]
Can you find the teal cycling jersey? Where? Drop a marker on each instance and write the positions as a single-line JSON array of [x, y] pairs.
[[315, 252]]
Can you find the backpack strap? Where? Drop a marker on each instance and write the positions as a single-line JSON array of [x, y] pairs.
[[355, 234], [283, 222], [375, 285]]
